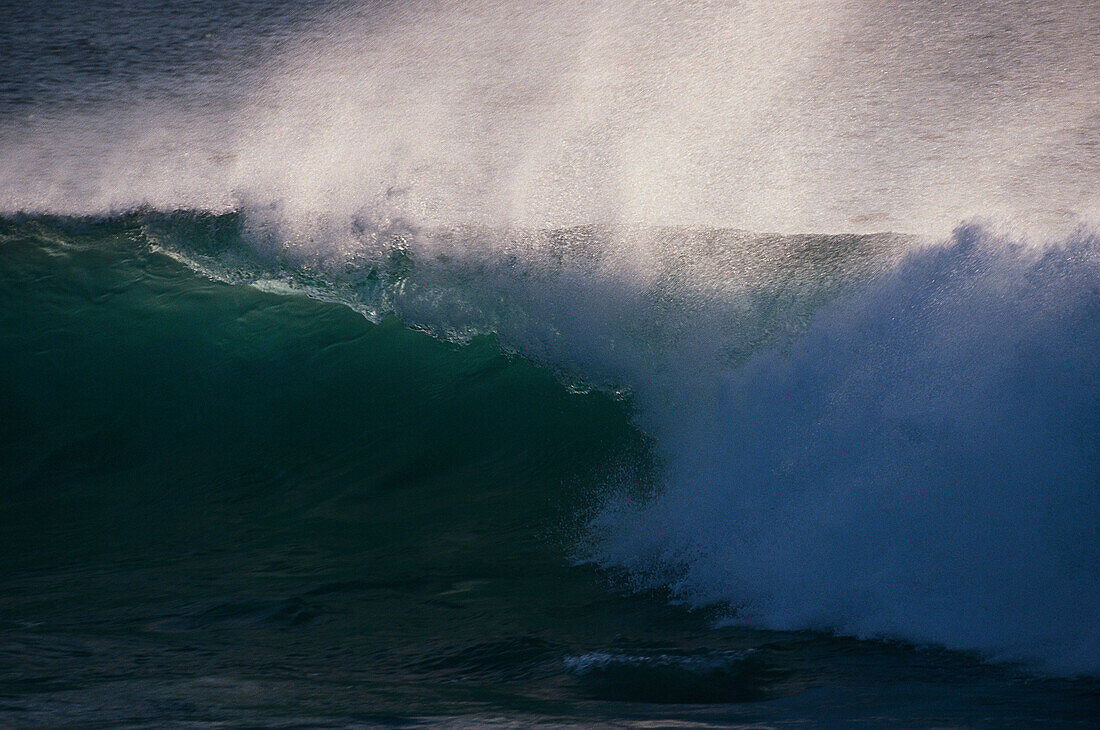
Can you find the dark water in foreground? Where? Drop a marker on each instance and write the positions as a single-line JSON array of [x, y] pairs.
[[223, 505]]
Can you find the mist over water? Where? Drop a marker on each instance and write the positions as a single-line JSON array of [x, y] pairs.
[[767, 116], [886, 435]]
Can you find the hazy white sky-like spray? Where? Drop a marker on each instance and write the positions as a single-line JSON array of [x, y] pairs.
[[779, 115]]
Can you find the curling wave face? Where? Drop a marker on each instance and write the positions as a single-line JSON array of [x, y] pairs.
[[858, 434]]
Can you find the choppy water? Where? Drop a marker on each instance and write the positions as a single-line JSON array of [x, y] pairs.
[[387, 364]]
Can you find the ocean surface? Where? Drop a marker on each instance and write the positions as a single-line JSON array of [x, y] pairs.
[[702, 364]]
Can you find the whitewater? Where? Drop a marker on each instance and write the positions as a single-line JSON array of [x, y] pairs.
[[841, 259]]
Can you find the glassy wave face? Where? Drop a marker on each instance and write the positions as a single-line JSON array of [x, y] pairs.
[[550, 361]]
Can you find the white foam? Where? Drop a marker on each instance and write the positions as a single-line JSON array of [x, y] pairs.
[[922, 464]]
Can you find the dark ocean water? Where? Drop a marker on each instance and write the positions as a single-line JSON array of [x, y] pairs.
[[333, 394]]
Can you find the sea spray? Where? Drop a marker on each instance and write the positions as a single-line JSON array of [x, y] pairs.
[[922, 464], [769, 116]]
